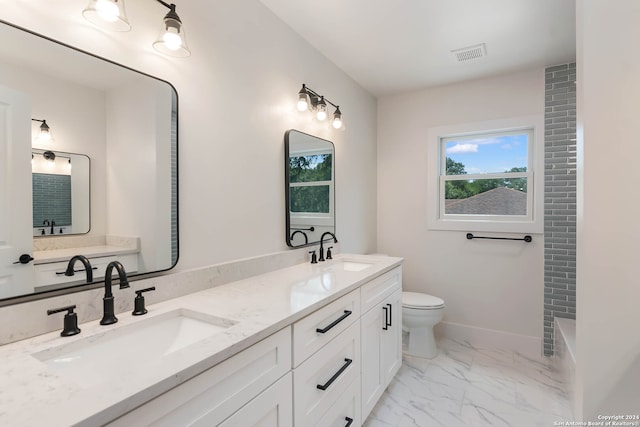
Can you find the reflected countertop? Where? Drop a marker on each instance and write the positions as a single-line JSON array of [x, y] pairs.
[[65, 254], [33, 394]]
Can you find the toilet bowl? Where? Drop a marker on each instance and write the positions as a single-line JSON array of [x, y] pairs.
[[420, 313]]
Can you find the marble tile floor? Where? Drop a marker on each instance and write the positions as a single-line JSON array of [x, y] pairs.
[[469, 386]]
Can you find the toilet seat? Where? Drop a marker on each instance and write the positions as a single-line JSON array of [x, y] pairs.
[[420, 301]]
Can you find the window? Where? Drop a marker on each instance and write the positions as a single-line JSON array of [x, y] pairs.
[[311, 184], [484, 179]]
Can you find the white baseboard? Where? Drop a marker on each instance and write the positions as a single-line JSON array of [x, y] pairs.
[[480, 337]]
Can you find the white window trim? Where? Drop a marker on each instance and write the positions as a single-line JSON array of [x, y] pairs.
[[535, 185]]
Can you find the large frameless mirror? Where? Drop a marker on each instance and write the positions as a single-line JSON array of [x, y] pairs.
[[118, 200], [309, 188]]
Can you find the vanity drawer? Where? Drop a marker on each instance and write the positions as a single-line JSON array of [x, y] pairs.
[[211, 397], [53, 273], [379, 288], [346, 410], [320, 327], [333, 368]]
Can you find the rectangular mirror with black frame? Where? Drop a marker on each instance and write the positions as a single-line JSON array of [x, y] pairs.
[[309, 188], [104, 183]]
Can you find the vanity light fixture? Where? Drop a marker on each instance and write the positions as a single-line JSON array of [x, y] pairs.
[[107, 14], [110, 15], [45, 131], [308, 99]]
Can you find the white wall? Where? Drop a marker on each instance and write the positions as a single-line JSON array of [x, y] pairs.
[[608, 236], [486, 284], [237, 95], [77, 125]]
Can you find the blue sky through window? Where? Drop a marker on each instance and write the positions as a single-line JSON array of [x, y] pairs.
[[490, 153]]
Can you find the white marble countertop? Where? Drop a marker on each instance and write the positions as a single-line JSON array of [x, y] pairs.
[[57, 255], [34, 394]]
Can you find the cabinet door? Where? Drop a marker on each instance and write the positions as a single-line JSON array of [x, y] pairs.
[[346, 410], [212, 396], [392, 338], [15, 193], [271, 408], [373, 381]]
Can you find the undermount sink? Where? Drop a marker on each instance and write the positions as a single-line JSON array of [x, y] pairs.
[[140, 345], [349, 265]]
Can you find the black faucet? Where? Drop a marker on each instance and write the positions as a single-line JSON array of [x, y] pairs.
[[53, 223], [306, 239], [335, 240], [87, 267], [109, 317], [47, 223]]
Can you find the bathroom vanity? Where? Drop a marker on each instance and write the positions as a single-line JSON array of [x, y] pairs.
[[312, 344]]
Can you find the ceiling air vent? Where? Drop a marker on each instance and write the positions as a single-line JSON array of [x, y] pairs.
[[470, 52]]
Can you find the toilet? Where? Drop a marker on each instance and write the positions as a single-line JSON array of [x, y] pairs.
[[420, 313]]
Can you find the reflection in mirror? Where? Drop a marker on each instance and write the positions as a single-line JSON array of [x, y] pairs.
[[61, 193], [123, 207], [309, 188]]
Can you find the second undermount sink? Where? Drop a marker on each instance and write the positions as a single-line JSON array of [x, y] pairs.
[[141, 344], [348, 265]]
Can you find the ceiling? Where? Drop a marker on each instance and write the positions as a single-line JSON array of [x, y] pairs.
[[392, 46]]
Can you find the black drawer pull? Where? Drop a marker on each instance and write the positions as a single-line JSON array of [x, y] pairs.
[[390, 315], [349, 421], [386, 318], [336, 375], [346, 314], [59, 273]]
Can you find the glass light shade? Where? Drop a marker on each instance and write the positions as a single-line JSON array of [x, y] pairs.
[[171, 40], [303, 102], [337, 119], [107, 14], [44, 134], [321, 110]]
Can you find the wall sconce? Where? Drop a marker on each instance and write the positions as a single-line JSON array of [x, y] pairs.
[[49, 156], [308, 99], [45, 131], [171, 40], [110, 15]]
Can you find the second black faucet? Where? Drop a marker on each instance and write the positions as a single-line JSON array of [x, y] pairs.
[[335, 240]]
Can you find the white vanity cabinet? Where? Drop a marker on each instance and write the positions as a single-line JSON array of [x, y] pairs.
[[381, 335], [327, 369], [256, 377]]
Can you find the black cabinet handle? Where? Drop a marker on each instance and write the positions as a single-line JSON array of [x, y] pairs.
[[386, 318], [349, 421], [336, 375], [24, 259], [60, 273], [346, 314], [390, 315]]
